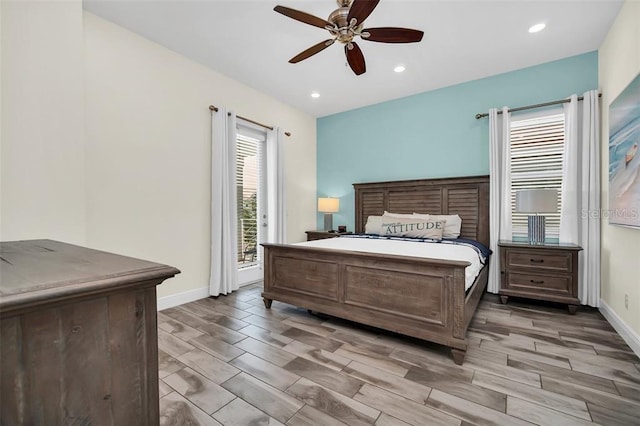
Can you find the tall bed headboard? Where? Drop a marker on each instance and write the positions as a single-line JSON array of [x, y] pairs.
[[465, 196]]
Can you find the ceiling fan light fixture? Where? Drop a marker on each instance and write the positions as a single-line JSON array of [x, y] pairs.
[[537, 28], [315, 94], [399, 68], [345, 24]]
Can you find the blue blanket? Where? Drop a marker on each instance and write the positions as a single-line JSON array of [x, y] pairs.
[[483, 251]]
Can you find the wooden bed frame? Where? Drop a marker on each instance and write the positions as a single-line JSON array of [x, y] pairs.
[[423, 298]]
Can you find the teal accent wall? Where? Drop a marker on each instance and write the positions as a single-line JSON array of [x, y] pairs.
[[432, 134]]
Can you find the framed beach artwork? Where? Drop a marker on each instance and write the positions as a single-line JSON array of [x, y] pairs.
[[624, 157]]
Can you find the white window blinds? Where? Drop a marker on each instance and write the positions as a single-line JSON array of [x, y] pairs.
[[537, 146]]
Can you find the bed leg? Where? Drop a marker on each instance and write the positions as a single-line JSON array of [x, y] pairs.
[[267, 302], [504, 299], [458, 355], [572, 309]]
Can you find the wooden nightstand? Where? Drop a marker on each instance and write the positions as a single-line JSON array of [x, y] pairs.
[[321, 235], [543, 271]]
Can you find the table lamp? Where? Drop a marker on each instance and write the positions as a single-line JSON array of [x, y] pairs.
[[536, 201], [328, 206]]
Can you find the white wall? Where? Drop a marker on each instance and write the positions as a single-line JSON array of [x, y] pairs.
[[42, 147], [148, 151], [619, 64]]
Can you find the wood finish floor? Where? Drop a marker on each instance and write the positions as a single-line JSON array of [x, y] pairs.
[[230, 361]]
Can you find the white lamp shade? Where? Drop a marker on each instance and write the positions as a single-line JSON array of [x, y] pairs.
[[537, 201], [328, 205]]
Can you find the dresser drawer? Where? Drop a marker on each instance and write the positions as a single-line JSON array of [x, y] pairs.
[[534, 283], [548, 260]]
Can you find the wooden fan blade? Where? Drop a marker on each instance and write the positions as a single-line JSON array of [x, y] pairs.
[[393, 35], [311, 51], [302, 17], [355, 59], [361, 9]]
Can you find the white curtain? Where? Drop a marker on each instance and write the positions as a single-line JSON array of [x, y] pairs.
[[276, 194], [581, 191], [224, 214], [499, 189]]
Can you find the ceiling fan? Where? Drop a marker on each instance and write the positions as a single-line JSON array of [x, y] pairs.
[[346, 23]]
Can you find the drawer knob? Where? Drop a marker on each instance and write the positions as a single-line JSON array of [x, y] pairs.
[[537, 282], [536, 260]]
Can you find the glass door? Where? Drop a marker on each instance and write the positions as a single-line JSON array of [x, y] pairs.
[[251, 202]]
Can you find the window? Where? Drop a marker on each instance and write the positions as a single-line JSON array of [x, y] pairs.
[[250, 181], [537, 145]]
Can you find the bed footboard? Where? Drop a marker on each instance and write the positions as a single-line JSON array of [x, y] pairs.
[[423, 298]]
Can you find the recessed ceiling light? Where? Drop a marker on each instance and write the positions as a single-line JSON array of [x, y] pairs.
[[399, 68], [537, 28], [315, 94]]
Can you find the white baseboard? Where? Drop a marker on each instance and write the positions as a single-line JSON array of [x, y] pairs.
[[626, 332], [182, 298]]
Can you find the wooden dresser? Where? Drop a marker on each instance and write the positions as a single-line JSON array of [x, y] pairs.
[[540, 271], [79, 337]]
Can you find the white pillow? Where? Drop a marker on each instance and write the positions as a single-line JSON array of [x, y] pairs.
[[412, 227], [399, 215], [373, 225], [452, 226]]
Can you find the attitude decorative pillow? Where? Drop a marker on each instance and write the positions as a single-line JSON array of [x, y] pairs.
[[452, 227], [417, 228]]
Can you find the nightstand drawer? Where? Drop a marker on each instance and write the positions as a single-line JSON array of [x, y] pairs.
[[551, 261], [533, 283], [540, 271]]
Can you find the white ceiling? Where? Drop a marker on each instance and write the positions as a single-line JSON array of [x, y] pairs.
[[463, 41]]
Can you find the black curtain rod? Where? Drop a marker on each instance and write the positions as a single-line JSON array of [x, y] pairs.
[[561, 101], [215, 109]]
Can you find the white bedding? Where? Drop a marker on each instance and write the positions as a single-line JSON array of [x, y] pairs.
[[407, 248]]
